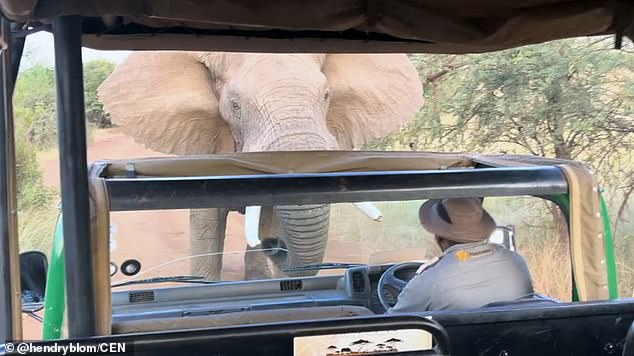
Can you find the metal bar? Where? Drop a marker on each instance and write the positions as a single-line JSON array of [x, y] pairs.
[[613, 284], [17, 48], [10, 308], [74, 176], [289, 189]]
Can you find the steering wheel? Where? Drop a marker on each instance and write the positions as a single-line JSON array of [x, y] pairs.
[[394, 280]]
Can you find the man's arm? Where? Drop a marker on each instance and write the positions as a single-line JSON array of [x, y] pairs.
[[416, 296]]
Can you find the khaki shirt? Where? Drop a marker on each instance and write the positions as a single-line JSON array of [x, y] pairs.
[[466, 276]]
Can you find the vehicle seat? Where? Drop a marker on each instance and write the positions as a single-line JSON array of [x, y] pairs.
[[238, 318], [628, 345]]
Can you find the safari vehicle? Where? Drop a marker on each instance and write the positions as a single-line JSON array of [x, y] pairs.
[[258, 317], [359, 293]]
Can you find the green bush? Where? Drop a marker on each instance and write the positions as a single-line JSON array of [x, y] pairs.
[[95, 72], [34, 106], [36, 130], [31, 193]]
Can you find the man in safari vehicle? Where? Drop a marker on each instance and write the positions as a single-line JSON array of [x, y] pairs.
[[471, 272]]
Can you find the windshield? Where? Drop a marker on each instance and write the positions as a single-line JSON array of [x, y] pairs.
[[373, 233], [160, 240]]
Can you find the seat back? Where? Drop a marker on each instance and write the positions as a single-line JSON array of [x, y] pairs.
[[628, 345]]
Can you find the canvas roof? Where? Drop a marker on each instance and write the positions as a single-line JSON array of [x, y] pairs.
[[433, 26]]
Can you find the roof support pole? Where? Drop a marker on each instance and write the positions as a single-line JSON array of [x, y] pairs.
[[17, 48], [71, 125], [10, 303]]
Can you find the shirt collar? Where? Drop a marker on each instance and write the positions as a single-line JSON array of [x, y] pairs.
[[467, 246]]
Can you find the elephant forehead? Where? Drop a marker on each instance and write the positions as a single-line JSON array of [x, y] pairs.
[[283, 64], [285, 58], [270, 79]]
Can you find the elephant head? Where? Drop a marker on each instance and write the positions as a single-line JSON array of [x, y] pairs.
[[212, 102]]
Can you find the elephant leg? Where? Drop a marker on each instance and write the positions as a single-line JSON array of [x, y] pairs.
[[207, 236], [256, 264]]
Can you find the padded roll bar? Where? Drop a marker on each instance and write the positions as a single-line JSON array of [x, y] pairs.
[[149, 193]]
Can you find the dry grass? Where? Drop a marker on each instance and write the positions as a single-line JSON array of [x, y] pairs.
[[624, 251], [36, 229], [549, 264], [399, 230]]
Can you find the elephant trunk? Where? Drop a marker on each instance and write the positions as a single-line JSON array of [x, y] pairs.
[[304, 230]]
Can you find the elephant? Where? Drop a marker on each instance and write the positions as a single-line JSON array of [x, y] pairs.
[[192, 103]]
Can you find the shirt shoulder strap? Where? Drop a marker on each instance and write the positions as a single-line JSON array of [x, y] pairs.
[[429, 263]]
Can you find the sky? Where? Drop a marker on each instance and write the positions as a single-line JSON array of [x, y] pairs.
[[39, 49]]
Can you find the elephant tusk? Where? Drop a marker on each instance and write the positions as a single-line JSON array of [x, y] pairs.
[[370, 210], [252, 225]]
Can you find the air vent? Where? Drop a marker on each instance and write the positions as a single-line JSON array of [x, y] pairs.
[[358, 282], [141, 297], [295, 284]]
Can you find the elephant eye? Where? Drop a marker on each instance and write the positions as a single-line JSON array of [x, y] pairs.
[[235, 107], [326, 95]]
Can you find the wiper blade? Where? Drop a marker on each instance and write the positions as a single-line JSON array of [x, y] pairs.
[[325, 265], [181, 279]]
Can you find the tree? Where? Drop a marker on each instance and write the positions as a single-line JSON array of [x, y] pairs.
[[361, 343], [570, 99], [391, 342], [567, 99], [34, 106], [95, 72]]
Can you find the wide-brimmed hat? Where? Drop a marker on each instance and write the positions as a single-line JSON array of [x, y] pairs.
[[460, 220]]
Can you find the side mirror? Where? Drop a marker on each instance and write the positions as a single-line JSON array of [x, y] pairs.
[[504, 235], [33, 270]]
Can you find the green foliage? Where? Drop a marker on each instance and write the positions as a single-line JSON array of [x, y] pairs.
[[35, 123], [95, 72], [34, 101], [571, 99], [34, 106], [558, 100], [31, 192], [566, 99]]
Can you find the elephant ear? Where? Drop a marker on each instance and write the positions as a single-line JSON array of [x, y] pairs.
[[372, 95], [166, 101]]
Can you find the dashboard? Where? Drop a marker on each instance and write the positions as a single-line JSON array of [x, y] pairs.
[[356, 286]]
